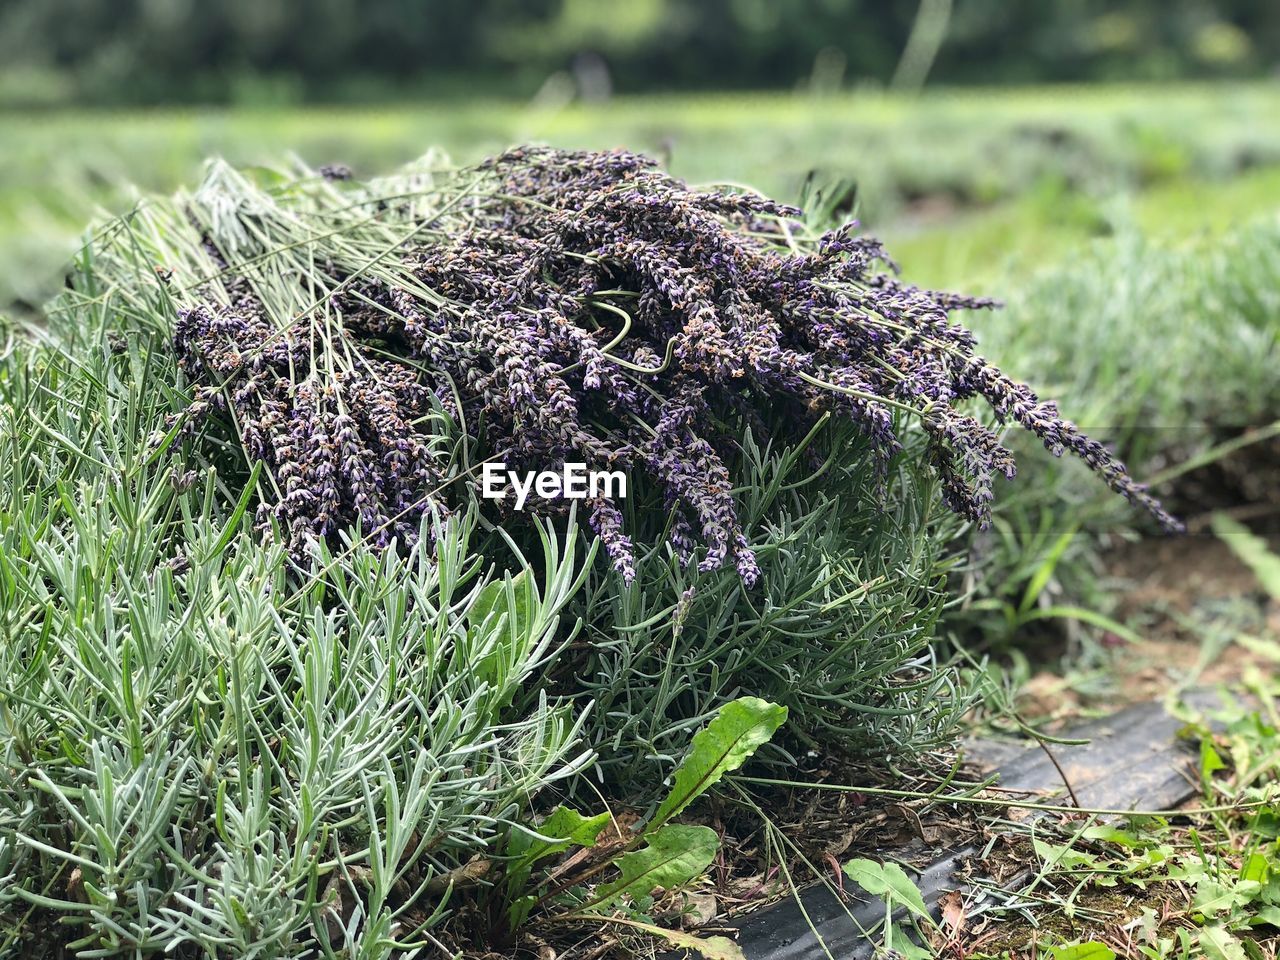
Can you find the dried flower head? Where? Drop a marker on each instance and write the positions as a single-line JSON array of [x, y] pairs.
[[591, 308]]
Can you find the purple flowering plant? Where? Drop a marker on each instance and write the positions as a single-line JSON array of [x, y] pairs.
[[584, 307]]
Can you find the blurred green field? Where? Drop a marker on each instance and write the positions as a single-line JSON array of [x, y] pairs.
[[1133, 233], [963, 184]]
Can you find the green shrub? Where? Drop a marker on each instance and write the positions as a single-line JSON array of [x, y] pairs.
[[213, 746], [838, 629], [197, 748]]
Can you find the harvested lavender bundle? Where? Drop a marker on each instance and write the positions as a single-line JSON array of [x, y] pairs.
[[332, 421], [586, 307]]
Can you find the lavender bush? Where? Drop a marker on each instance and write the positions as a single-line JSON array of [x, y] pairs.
[[586, 307], [308, 754], [840, 627]]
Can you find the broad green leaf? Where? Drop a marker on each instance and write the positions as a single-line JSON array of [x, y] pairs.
[[1090, 950], [673, 856], [720, 747], [1266, 915], [887, 880], [1213, 897], [905, 947], [492, 598], [1084, 615], [519, 909], [1113, 834], [1066, 856], [565, 827], [712, 948], [1254, 869], [1252, 549], [1217, 944]]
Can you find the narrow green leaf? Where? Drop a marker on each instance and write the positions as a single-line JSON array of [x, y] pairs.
[[233, 523], [126, 677], [519, 909], [712, 948], [1084, 615], [220, 809], [70, 750], [1251, 549], [1044, 572], [1112, 834], [722, 746], [1210, 762]]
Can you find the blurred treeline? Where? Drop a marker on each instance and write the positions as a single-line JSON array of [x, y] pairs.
[[237, 51]]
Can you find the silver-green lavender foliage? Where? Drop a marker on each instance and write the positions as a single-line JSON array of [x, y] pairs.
[[201, 752], [1184, 343], [839, 629]]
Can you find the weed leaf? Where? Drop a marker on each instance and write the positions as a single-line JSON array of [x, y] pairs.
[[887, 879], [492, 599], [721, 747], [1210, 763], [904, 946], [1251, 549], [233, 522], [565, 827], [712, 948], [673, 856], [1091, 950], [1217, 944]]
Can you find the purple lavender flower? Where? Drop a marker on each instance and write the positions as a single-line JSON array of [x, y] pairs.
[[596, 310]]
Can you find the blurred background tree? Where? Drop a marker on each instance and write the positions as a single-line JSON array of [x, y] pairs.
[[137, 52]]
